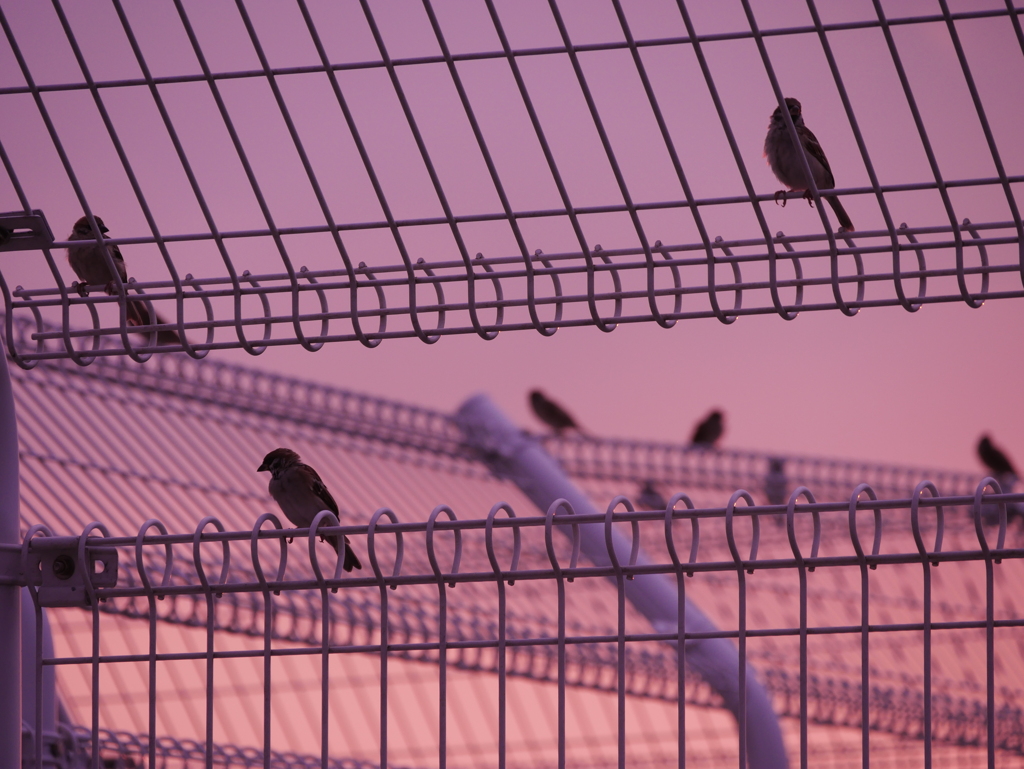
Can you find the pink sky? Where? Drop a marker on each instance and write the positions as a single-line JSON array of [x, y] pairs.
[[886, 385]]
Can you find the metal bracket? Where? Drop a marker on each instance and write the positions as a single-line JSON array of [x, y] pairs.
[[24, 232], [53, 565]]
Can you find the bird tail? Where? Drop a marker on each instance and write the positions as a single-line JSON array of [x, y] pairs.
[[138, 315], [351, 559], [841, 215]]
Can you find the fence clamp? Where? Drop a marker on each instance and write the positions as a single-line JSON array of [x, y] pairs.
[[24, 232], [53, 565]]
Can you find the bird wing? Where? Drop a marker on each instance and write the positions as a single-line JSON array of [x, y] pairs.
[[317, 486], [115, 254], [813, 148]]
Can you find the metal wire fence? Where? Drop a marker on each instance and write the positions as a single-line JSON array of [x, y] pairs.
[[257, 583], [483, 255]]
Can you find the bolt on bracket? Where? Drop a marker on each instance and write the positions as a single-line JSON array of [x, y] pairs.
[[53, 565]]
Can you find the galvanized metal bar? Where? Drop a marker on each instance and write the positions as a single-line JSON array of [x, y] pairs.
[[521, 459]]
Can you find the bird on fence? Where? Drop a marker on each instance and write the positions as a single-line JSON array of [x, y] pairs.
[[707, 433], [650, 498], [91, 268], [785, 161], [301, 494], [996, 461], [551, 414]]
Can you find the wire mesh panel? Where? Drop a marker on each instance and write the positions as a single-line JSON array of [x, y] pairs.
[[312, 172], [182, 440], [834, 645]]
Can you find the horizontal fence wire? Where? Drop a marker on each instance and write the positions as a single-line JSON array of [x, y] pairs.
[[536, 285], [124, 749], [972, 255], [192, 579]]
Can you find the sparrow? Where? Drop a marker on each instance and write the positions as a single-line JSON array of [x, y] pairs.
[[786, 164], [707, 433], [301, 494], [650, 498], [551, 414], [91, 268], [994, 459]]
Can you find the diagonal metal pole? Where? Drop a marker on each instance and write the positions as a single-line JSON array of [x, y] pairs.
[[10, 595], [521, 459]]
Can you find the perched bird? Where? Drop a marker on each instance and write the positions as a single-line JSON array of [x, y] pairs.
[[551, 414], [708, 432], [994, 459], [91, 268], [785, 161], [650, 498], [301, 494]]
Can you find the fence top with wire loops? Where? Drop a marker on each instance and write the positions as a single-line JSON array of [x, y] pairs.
[[292, 175]]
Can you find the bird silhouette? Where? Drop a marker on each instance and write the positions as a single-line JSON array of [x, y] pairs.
[[994, 459], [301, 494], [708, 432], [650, 498], [90, 265], [551, 414]]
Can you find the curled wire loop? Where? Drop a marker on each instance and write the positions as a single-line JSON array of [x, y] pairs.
[[737, 277], [556, 284], [865, 488], [499, 294], [267, 324], [371, 547], [197, 540], [318, 521], [616, 285], [806, 493], [421, 264], [194, 284], [990, 483], [282, 560], [897, 276], [677, 285], [14, 338], [858, 262], [798, 272], [609, 543], [74, 354], [517, 541], [730, 534], [670, 541], [983, 255], [36, 529], [431, 556], [325, 322], [915, 524], [561, 504], [87, 572], [382, 305], [140, 564]]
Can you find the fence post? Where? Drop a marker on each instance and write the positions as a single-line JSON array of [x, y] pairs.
[[10, 595]]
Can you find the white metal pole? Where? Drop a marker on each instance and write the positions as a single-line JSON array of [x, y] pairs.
[[10, 595], [522, 459]]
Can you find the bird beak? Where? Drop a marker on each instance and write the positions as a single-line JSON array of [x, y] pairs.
[[263, 468], [103, 228]]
